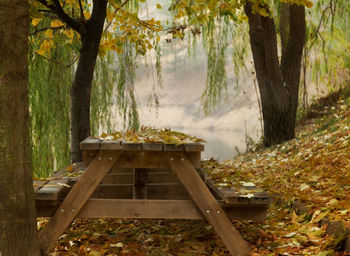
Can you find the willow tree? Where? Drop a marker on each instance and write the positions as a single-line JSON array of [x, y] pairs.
[[17, 211], [94, 27], [278, 80], [278, 76]]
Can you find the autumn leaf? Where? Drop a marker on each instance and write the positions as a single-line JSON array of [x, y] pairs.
[[56, 23], [49, 33], [45, 47], [69, 33], [35, 21], [309, 4]]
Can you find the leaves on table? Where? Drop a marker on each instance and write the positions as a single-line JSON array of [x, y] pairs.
[[151, 135]]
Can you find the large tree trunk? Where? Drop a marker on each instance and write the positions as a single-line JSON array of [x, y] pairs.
[[278, 84], [81, 87], [18, 234]]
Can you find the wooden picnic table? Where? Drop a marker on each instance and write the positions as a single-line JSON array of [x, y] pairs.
[[120, 179]]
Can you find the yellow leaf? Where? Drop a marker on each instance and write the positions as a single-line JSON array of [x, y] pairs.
[[87, 14], [35, 21], [159, 6], [332, 203], [56, 23], [49, 33], [45, 47], [69, 168], [69, 33], [263, 12], [318, 215], [309, 4]]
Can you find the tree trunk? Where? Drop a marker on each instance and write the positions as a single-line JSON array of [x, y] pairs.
[[278, 84], [18, 234], [81, 87]]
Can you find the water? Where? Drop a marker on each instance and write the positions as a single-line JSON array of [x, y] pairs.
[[220, 144]]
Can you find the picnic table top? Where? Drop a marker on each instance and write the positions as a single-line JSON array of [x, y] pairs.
[[98, 143]]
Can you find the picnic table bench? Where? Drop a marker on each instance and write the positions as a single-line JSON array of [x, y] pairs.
[[119, 179]]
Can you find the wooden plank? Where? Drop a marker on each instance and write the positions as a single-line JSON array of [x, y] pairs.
[[162, 177], [37, 184], [195, 159], [249, 212], [118, 178], [194, 147], [117, 170], [151, 159], [140, 184], [57, 185], [87, 156], [230, 196], [246, 212], [261, 198], [123, 208], [173, 147], [76, 198], [152, 146], [205, 201], [113, 191], [45, 210], [90, 143], [131, 146], [153, 177], [110, 145], [172, 191]]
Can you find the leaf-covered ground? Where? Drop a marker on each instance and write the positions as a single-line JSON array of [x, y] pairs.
[[312, 170]]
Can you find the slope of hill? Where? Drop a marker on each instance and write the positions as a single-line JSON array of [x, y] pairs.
[[311, 177]]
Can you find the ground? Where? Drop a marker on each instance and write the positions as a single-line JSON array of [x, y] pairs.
[[309, 178]]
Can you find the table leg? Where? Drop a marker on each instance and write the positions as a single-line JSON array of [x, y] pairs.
[[207, 204], [76, 198]]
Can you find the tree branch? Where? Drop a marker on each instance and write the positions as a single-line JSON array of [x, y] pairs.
[[59, 62], [81, 11], [115, 11], [62, 15], [44, 29]]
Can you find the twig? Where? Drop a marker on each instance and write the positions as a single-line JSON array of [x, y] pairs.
[[81, 11], [115, 12], [44, 29], [318, 29], [58, 62], [58, 10]]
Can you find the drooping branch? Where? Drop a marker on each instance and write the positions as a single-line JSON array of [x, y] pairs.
[[67, 65], [62, 15], [115, 12]]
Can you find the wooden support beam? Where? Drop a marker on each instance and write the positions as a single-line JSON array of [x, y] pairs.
[[205, 201], [76, 198], [141, 209], [151, 159], [140, 183]]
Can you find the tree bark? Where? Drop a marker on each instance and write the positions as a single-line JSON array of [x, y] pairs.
[[18, 234], [278, 84], [82, 83]]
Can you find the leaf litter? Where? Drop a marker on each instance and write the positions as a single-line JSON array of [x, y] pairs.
[[313, 169]]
